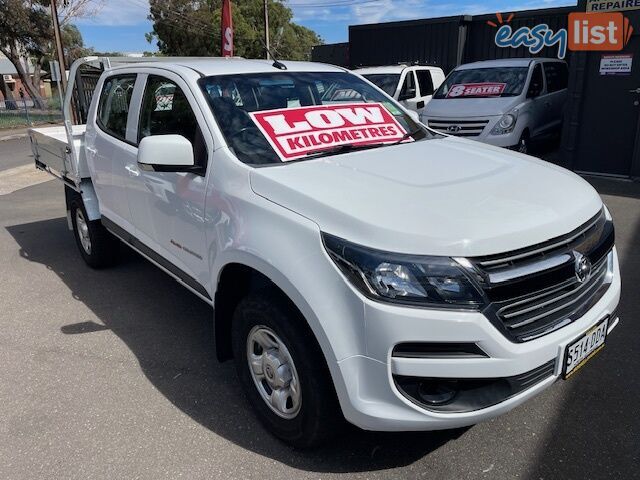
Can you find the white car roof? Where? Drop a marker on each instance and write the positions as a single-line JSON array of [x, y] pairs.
[[390, 69], [233, 65], [507, 62]]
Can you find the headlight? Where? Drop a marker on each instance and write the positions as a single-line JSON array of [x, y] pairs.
[[408, 279], [506, 124]]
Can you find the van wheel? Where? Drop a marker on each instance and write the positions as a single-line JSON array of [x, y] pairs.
[[283, 371], [524, 145], [98, 247]]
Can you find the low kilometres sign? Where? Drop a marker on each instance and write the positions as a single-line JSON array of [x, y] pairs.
[[476, 90], [612, 5], [297, 132]]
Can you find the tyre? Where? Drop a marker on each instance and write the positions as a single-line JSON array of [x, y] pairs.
[[98, 247], [524, 144], [283, 371]]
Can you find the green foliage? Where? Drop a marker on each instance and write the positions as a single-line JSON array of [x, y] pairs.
[[192, 28]]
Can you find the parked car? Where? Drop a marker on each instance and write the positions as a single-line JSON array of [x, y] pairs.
[[411, 85], [506, 103], [359, 265]]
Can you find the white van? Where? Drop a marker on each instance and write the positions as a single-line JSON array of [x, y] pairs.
[[412, 86], [502, 102]]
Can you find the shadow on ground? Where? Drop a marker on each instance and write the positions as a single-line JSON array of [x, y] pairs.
[[596, 432], [171, 333]]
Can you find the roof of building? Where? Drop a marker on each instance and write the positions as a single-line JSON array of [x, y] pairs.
[[6, 67]]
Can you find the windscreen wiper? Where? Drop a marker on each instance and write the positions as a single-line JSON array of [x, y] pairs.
[[407, 136], [347, 147]]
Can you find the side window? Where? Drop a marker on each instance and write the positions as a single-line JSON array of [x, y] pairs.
[[536, 86], [557, 75], [408, 87], [113, 108], [166, 111], [425, 82]]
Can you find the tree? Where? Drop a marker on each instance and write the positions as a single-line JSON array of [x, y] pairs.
[[26, 36], [192, 27]]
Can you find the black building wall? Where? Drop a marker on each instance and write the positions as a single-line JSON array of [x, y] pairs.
[[447, 41], [433, 41], [333, 53], [481, 43]]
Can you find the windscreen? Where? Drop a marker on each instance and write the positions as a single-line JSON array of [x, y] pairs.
[[484, 82], [385, 81], [262, 115]]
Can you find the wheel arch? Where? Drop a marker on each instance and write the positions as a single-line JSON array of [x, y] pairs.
[[243, 274]]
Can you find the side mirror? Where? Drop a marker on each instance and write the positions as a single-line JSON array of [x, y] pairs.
[[407, 94], [166, 153]]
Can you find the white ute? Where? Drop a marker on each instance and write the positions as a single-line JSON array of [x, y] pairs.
[[360, 265], [412, 85]]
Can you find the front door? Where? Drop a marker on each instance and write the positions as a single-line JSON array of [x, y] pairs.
[[612, 103], [168, 208]]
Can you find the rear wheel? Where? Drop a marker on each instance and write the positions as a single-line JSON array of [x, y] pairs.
[[97, 246], [283, 371]]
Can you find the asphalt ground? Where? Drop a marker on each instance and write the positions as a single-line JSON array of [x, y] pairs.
[[112, 375]]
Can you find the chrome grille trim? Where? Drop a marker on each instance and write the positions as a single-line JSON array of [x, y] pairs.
[[535, 291], [558, 243], [466, 128]]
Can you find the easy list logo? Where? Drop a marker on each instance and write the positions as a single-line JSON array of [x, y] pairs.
[[587, 32], [535, 39]]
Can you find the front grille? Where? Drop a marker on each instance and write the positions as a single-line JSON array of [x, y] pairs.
[[535, 291], [459, 128]]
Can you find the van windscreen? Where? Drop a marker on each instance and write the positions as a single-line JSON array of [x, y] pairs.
[[484, 82]]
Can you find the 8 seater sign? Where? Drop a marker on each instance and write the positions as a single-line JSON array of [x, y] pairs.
[[297, 132], [476, 90]]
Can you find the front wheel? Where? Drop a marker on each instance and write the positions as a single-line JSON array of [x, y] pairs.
[[97, 246], [283, 371], [524, 145]]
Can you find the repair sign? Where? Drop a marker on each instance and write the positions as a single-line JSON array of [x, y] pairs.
[[476, 90], [297, 132]]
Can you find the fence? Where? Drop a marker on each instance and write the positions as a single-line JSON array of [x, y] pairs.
[[21, 113]]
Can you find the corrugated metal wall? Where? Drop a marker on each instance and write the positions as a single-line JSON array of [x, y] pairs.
[[333, 53], [446, 41], [431, 41]]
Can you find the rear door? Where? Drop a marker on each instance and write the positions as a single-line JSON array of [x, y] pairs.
[[425, 87], [538, 107], [168, 208], [109, 151], [557, 78]]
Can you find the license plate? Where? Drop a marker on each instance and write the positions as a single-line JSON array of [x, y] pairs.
[[584, 348]]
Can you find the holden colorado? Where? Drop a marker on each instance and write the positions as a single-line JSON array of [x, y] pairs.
[[360, 265]]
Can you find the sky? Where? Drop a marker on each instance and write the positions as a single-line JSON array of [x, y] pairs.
[[121, 24]]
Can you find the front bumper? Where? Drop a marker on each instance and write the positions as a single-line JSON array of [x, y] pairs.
[[373, 400]]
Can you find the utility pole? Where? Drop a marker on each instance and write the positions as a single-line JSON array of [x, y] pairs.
[[266, 28], [58, 39]]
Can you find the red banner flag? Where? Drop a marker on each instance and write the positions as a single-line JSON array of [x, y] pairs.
[[227, 29]]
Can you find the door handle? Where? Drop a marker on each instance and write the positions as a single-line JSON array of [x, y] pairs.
[[133, 171]]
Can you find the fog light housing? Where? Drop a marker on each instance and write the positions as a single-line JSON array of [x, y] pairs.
[[437, 392]]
